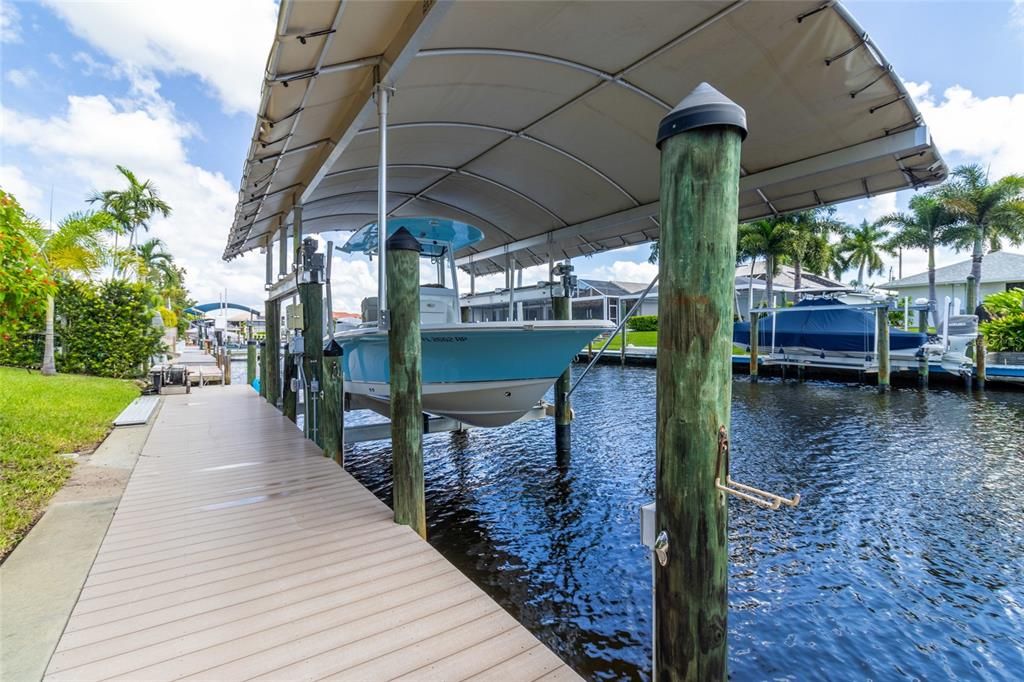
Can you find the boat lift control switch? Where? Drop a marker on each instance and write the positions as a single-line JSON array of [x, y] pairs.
[[312, 265], [293, 315]]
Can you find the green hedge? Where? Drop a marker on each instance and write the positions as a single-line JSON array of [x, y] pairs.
[[643, 323], [104, 329], [1004, 333]]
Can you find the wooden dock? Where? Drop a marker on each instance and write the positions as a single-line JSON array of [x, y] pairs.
[[239, 551]]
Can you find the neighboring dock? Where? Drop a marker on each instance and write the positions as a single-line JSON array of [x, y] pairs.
[[239, 551]]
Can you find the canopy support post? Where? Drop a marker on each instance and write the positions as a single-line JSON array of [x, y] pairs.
[[282, 267], [270, 263], [700, 144], [382, 94]]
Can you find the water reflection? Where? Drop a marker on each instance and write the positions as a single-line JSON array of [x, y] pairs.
[[903, 559]]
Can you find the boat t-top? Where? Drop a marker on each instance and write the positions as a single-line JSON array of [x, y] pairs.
[[479, 373]]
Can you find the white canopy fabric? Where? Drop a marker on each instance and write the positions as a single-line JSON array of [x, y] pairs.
[[536, 121]]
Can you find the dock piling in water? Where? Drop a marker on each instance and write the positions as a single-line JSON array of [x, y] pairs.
[[332, 422], [563, 406], [700, 144], [406, 398], [922, 359], [882, 317], [754, 341]]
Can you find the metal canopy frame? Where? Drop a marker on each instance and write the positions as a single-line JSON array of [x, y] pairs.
[[327, 122]]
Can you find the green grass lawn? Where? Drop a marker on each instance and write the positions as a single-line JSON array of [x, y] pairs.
[[632, 339], [41, 418]]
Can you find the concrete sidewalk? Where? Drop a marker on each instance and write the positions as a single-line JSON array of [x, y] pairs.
[[41, 580]]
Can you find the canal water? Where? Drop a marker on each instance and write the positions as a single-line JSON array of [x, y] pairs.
[[904, 559]]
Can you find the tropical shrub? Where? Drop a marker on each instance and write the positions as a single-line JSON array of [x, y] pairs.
[[24, 279], [169, 317], [1004, 333], [106, 329], [643, 323]]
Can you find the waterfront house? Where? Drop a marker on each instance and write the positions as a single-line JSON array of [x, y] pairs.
[[1000, 271], [596, 299]]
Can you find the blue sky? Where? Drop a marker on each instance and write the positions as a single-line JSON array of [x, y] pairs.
[[87, 85]]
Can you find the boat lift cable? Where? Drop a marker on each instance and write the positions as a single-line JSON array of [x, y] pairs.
[[611, 336]]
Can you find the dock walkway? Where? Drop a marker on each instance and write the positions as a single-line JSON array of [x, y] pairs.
[[239, 551]]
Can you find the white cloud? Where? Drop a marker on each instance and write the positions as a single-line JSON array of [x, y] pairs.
[[224, 43], [622, 271], [982, 130], [80, 147], [20, 78], [1017, 14], [10, 23], [56, 60], [13, 181]]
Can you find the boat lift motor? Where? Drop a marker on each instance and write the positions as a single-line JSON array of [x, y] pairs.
[[569, 280]]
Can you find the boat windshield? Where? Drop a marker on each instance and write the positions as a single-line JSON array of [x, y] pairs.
[[437, 236]]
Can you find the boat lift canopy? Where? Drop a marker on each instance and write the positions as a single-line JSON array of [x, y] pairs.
[[536, 121]]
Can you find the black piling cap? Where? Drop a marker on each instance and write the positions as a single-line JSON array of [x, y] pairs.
[[332, 349], [402, 240], [704, 106]]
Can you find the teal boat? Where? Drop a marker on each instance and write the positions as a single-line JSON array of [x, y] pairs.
[[481, 373]]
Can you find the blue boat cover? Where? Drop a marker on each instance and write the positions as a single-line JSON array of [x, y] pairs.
[[433, 234], [835, 329]]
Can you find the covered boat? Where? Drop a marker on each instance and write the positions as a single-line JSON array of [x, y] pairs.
[[825, 325]]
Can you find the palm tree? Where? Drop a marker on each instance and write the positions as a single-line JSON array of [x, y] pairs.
[[926, 226], [809, 243], [990, 212], [152, 262], [75, 246], [769, 238], [863, 246], [132, 207]]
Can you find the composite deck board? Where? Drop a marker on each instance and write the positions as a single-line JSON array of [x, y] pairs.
[[239, 552]]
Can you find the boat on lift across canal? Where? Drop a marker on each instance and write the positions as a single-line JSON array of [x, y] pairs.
[[480, 373]]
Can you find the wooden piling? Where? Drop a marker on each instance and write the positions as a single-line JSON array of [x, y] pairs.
[[755, 339], [700, 168], [270, 383], [311, 297], [289, 403], [972, 296], [250, 361], [979, 360], [332, 421], [922, 360], [226, 365], [404, 357], [882, 329], [563, 406]]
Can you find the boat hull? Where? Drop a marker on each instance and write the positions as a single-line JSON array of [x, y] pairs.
[[484, 374]]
